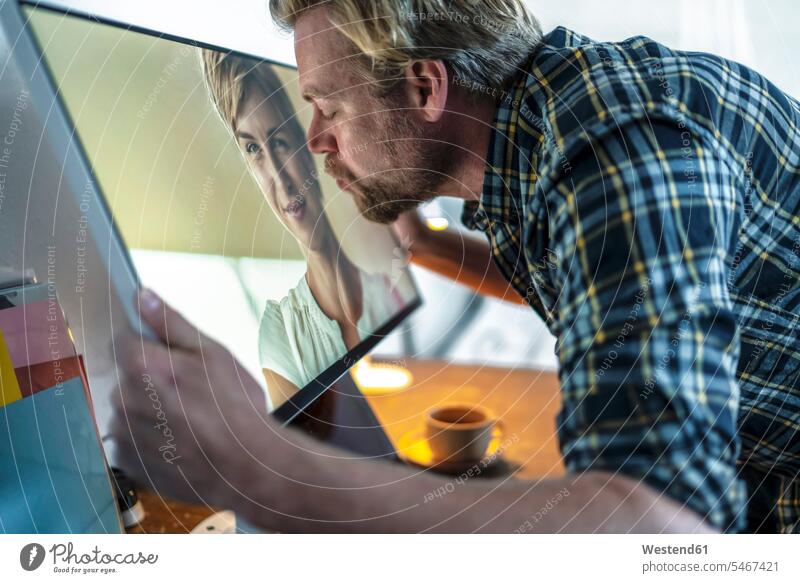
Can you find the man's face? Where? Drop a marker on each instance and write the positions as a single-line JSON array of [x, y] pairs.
[[379, 150]]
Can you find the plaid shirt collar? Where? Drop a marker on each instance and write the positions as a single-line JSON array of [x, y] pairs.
[[501, 196]]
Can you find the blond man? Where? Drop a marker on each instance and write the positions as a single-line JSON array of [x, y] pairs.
[[643, 201]]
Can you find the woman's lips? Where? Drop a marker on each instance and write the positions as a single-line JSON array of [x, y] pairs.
[[296, 208]]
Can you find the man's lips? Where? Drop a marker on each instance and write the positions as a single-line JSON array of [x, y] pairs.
[[337, 174], [345, 184]]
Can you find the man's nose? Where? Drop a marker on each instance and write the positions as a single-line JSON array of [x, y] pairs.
[[320, 138]]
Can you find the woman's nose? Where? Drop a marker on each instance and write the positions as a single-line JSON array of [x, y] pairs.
[[284, 183]]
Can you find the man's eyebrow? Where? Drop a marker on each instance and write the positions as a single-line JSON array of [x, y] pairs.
[[314, 92]]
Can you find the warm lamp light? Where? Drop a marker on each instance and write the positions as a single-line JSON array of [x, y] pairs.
[[379, 378], [437, 223]]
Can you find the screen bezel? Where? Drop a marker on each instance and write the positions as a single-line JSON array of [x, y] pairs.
[[305, 396]]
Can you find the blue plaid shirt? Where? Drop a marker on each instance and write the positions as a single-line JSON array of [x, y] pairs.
[[646, 203]]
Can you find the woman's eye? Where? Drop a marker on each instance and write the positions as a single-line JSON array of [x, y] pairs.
[[252, 148], [280, 145]]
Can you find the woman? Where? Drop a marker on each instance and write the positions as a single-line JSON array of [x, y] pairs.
[[335, 304]]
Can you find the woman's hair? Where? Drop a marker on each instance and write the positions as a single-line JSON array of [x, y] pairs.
[[228, 78], [483, 42]]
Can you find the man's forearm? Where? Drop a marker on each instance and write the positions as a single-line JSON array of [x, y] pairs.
[[321, 491], [463, 258]]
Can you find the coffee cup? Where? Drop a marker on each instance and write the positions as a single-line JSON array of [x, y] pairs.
[[458, 433]]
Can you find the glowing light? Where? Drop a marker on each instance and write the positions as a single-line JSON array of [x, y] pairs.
[[437, 223], [379, 378]]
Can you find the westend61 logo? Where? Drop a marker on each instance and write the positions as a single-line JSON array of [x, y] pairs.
[[66, 560]]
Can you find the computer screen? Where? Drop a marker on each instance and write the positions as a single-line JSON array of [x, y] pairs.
[[201, 154]]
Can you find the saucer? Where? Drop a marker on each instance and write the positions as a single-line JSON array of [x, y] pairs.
[[413, 448]]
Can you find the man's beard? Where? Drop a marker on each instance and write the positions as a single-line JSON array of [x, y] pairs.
[[418, 165]]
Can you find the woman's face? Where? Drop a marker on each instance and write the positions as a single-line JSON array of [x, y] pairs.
[[276, 153]]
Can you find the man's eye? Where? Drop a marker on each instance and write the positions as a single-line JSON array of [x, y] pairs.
[[252, 148], [327, 116]]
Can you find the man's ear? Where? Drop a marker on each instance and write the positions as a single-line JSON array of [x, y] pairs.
[[426, 87]]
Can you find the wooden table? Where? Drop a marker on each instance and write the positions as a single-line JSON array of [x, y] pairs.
[[164, 516], [526, 400]]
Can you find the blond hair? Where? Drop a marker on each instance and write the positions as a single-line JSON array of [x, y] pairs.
[[483, 42], [229, 77]]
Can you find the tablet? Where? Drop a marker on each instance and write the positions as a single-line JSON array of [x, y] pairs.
[[55, 225], [166, 128]]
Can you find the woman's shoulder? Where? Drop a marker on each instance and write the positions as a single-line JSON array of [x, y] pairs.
[[273, 319], [296, 320], [278, 316]]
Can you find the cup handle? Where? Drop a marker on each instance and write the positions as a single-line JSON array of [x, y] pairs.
[[498, 424]]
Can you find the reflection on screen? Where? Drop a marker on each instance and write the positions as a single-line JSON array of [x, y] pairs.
[[335, 305], [203, 152]]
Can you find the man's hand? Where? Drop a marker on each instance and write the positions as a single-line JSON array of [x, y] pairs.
[[187, 414], [190, 423], [454, 254]]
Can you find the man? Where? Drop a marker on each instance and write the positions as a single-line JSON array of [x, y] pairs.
[[643, 201]]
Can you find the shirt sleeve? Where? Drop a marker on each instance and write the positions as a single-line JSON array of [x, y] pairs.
[[641, 221], [277, 348]]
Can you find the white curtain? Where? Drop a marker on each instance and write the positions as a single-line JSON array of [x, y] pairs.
[[761, 34], [719, 26]]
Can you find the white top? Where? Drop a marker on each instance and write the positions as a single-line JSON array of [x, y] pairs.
[[298, 341]]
